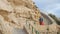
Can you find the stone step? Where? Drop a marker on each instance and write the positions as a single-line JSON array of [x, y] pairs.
[[19, 31]]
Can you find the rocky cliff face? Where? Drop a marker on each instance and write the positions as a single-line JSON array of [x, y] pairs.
[[13, 13]]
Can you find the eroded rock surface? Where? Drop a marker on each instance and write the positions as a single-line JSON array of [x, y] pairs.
[[13, 14]]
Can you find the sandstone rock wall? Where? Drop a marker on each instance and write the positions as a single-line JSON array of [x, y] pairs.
[[13, 14]]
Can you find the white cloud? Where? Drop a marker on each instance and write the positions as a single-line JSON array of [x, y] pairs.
[[52, 8]]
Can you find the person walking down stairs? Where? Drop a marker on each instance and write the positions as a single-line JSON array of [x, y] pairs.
[[41, 21]]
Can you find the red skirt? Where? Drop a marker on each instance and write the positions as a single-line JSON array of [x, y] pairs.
[[41, 23]]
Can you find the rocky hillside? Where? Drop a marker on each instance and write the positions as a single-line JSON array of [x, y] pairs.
[[13, 13]]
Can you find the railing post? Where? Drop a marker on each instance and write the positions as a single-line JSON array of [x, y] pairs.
[[29, 26], [26, 22], [37, 32], [32, 30]]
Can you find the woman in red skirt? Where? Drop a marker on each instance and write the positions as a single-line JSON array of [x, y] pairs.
[[41, 21]]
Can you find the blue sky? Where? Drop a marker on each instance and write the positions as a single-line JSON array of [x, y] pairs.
[[49, 6]]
